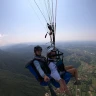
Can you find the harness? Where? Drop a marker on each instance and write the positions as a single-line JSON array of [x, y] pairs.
[[59, 64], [46, 69], [44, 66]]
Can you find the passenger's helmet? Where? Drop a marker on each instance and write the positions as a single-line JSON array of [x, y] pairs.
[[51, 49], [37, 48], [57, 54]]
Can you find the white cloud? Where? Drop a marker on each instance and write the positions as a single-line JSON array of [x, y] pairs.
[[0, 35]]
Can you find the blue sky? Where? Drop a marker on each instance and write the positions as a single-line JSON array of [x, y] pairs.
[[76, 21]]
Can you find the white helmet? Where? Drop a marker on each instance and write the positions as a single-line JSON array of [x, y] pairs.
[[50, 49]]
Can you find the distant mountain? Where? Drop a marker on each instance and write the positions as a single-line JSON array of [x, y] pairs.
[[15, 48], [12, 62], [27, 52], [16, 45], [15, 58]]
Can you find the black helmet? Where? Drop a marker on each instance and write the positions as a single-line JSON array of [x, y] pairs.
[[37, 48]]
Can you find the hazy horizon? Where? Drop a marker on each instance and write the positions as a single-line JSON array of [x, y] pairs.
[[76, 21], [48, 44]]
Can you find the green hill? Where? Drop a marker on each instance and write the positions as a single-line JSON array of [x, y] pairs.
[[12, 84]]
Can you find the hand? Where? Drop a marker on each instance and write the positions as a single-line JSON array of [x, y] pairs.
[[46, 78]]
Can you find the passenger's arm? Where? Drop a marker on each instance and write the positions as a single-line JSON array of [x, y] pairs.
[[54, 71], [56, 76]]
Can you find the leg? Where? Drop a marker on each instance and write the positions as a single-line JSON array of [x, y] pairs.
[[74, 72], [68, 67]]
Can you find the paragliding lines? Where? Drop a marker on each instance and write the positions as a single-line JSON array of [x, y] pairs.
[[40, 11], [55, 18], [47, 11], [52, 18], [36, 14]]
